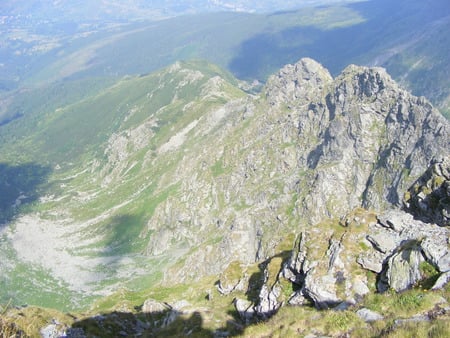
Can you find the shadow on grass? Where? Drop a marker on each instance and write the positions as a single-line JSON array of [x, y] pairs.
[[167, 323], [20, 185], [171, 322]]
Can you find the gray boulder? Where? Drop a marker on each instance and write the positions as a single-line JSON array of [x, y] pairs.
[[154, 306], [403, 268], [245, 308], [429, 197], [442, 281], [369, 315]]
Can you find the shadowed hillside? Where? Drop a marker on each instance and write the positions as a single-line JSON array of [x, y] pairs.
[[20, 185]]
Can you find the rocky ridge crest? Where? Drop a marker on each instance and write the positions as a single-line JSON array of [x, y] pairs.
[[308, 148]]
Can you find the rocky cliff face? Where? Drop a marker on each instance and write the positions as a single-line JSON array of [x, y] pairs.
[[296, 188], [335, 265], [429, 198], [308, 148]]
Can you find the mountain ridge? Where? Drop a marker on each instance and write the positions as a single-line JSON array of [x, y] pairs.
[[195, 175], [336, 126], [252, 46]]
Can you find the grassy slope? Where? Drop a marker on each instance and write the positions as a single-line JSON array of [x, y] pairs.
[[73, 175], [79, 139], [406, 37]]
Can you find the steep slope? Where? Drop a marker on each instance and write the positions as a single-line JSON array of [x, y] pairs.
[[308, 148], [173, 175], [108, 161]]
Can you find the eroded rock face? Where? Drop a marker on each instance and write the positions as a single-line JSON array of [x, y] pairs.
[[394, 247], [328, 264], [323, 266], [429, 197], [309, 147]]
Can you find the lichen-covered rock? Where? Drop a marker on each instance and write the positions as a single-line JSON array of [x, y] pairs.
[[270, 295], [233, 278], [369, 315], [154, 306], [294, 268], [323, 266], [403, 268], [441, 281], [429, 197], [400, 244], [269, 302]]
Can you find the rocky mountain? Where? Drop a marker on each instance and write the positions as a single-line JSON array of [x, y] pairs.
[[188, 175], [309, 148]]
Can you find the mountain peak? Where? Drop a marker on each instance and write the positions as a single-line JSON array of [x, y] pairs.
[[367, 81], [313, 147], [302, 80]]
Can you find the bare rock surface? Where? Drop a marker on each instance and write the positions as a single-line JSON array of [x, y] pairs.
[[311, 148]]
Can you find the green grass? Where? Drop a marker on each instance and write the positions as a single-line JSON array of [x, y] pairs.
[[218, 168], [80, 130], [429, 275], [22, 282]]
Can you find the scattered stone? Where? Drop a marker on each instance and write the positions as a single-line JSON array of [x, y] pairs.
[[416, 318], [153, 306], [344, 306], [384, 242], [75, 332], [54, 330], [369, 315], [372, 261]]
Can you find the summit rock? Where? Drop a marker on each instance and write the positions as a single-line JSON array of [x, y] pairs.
[[308, 148]]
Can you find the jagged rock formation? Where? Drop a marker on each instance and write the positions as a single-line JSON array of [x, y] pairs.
[[309, 147], [197, 174], [328, 264], [221, 180], [429, 198]]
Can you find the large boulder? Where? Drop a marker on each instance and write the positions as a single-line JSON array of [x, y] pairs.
[[429, 197]]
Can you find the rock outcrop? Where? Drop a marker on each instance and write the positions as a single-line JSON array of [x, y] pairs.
[[309, 148], [332, 273], [429, 198], [330, 264]]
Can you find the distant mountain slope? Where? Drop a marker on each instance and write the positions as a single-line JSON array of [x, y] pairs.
[[407, 37]]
